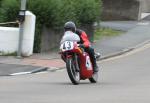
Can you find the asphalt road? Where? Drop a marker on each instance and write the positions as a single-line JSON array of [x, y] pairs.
[[122, 80]]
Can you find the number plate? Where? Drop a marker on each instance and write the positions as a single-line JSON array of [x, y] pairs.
[[67, 45]]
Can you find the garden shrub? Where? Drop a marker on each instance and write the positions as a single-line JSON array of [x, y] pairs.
[[53, 13]]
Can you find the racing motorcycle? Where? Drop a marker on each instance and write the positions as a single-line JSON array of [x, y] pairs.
[[78, 63]]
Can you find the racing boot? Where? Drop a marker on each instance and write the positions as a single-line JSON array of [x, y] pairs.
[[95, 67]]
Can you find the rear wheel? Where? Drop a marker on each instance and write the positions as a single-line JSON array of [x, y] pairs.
[[73, 70], [94, 78]]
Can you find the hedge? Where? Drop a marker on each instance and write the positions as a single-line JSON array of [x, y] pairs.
[[9, 10], [53, 13]]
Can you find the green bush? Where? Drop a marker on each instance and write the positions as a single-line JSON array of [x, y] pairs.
[[88, 11], [53, 13], [9, 10], [0, 2]]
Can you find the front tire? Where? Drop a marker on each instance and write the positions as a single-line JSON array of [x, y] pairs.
[[72, 71]]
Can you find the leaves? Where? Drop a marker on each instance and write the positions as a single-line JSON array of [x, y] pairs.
[[9, 10], [53, 13]]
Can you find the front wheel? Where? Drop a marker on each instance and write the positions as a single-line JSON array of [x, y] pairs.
[[72, 70], [94, 78]]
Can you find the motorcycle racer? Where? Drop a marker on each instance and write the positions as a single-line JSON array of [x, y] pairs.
[[83, 43]]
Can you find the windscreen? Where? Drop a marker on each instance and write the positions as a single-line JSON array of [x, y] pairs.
[[70, 36]]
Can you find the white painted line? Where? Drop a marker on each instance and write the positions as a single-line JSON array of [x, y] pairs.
[[20, 73]]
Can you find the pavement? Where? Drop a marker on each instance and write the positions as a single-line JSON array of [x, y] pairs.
[[137, 34]]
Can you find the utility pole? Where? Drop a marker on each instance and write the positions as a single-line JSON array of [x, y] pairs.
[[21, 19], [140, 9]]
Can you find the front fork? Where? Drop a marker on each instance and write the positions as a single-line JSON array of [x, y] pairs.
[[74, 57]]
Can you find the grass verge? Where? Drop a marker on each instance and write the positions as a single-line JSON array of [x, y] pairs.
[[106, 32]]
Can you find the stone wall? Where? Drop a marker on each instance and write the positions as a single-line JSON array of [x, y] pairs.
[[51, 38], [145, 6], [120, 9]]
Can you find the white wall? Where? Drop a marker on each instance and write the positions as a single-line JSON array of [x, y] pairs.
[[9, 39]]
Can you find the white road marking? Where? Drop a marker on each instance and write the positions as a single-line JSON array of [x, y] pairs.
[[19, 73]]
